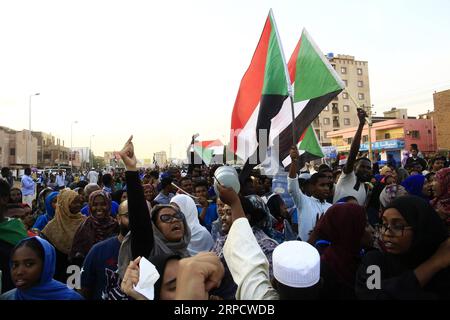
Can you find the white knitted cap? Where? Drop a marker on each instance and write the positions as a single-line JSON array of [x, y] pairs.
[[296, 264]]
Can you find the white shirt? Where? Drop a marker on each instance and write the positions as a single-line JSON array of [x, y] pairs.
[[247, 263], [309, 209], [93, 176], [60, 180], [345, 187]]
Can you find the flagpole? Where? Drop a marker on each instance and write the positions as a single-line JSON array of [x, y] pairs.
[[288, 78], [293, 119]]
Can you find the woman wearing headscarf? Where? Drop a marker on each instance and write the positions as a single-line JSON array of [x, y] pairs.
[[12, 231], [389, 194], [33, 267], [41, 209], [163, 231], [260, 220], [50, 205], [339, 237], [417, 185], [60, 231], [15, 196], [201, 239], [415, 260], [441, 202], [97, 227]]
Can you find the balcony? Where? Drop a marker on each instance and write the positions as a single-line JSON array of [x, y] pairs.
[[336, 124]]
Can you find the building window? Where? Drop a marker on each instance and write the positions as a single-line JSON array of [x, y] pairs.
[[335, 108], [360, 84], [361, 96], [334, 66], [327, 108], [336, 123], [345, 95], [349, 140], [346, 108], [359, 71], [343, 70], [415, 134], [347, 121], [326, 120], [365, 138], [12, 151], [345, 82]]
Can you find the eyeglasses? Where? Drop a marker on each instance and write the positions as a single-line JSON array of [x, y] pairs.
[[167, 218], [397, 229]]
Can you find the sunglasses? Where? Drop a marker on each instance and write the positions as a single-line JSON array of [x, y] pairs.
[[168, 218]]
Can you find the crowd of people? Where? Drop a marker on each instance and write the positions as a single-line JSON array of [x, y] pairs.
[[344, 221]]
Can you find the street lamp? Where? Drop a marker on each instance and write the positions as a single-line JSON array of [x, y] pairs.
[[29, 123], [29, 110], [90, 151], [71, 146]]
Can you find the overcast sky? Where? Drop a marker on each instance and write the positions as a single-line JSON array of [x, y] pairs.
[[164, 70]]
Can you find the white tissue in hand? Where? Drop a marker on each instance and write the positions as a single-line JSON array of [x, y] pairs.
[[148, 275]]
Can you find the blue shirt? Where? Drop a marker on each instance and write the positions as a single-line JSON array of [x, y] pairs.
[[114, 209], [100, 266], [211, 215], [163, 199], [27, 186]]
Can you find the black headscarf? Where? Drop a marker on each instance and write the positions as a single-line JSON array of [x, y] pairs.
[[429, 230], [160, 262]]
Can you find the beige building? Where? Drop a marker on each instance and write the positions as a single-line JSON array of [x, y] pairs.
[[341, 112], [51, 151], [18, 149], [442, 119], [160, 158]]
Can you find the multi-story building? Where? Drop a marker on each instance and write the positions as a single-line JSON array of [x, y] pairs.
[[51, 151], [18, 149], [341, 112], [442, 118]]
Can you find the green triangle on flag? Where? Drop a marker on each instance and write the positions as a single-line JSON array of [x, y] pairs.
[[309, 143], [314, 76]]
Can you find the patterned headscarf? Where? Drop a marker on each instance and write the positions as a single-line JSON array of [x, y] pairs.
[[442, 203], [94, 230], [390, 193]]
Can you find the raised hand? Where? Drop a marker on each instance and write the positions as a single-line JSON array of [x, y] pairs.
[[131, 279], [362, 115], [128, 156], [227, 195], [198, 275]]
